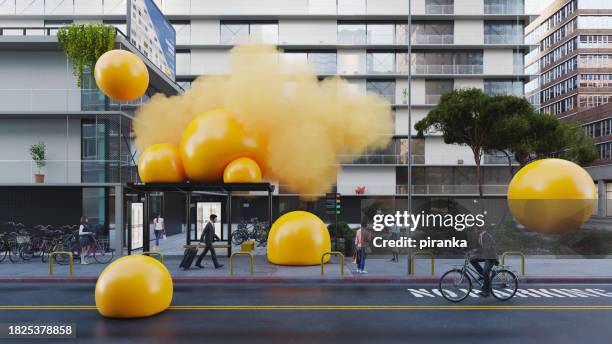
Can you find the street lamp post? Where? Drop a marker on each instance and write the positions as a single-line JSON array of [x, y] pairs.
[[409, 102]]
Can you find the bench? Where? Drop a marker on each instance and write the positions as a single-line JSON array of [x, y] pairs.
[[204, 246]]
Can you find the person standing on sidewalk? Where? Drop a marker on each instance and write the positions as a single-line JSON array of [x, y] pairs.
[[84, 239], [361, 238], [158, 229], [207, 238], [394, 234]]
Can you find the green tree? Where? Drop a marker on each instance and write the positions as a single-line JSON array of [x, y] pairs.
[[465, 117]]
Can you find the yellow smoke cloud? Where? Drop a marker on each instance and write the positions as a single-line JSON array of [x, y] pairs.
[[308, 123]]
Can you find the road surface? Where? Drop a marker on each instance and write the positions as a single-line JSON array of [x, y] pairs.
[[263, 313]]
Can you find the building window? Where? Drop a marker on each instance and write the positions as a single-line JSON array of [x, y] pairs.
[[239, 32], [432, 32], [504, 87], [588, 101], [324, 63], [456, 62], [402, 63], [595, 41], [352, 33], [434, 89], [384, 88], [503, 32], [380, 33], [380, 63], [439, 6], [504, 6]]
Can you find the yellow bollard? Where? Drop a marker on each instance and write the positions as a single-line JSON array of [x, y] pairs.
[[427, 254], [243, 254], [333, 253], [515, 253], [150, 254], [70, 261]]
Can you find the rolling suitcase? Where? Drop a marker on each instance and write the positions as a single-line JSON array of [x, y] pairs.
[[188, 258]]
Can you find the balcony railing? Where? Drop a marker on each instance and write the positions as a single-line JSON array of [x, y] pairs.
[[440, 9], [433, 39], [381, 159], [487, 189], [502, 39], [508, 8], [432, 99], [447, 69], [46, 99], [68, 171]]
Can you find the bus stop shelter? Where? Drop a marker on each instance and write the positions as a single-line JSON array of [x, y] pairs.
[[225, 190]]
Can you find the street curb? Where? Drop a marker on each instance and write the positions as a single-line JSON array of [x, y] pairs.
[[306, 280]]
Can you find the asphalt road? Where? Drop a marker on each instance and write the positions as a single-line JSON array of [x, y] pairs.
[[263, 313]]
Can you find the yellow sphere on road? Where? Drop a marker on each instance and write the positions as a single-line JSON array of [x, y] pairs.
[[121, 75], [133, 287], [161, 163], [552, 196], [211, 141], [242, 170], [298, 238]]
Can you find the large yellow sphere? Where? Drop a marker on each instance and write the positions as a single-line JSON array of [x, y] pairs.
[[298, 238], [121, 75], [242, 170], [161, 163], [133, 287], [552, 196], [211, 141]]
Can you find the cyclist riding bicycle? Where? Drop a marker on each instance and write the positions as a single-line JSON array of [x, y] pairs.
[[487, 254]]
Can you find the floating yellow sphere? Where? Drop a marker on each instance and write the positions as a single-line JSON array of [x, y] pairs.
[[121, 75], [211, 141], [133, 287], [552, 196], [242, 170], [161, 163], [298, 238]]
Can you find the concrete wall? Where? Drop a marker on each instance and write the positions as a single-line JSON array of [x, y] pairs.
[[401, 119], [307, 32], [351, 61], [40, 81], [62, 140], [439, 153], [207, 61], [387, 6], [205, 31], [498, 62], [378, 180], [469, 32], [469, 7]]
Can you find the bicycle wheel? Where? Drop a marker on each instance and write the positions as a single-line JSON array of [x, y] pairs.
[[3, 250], [103, 253], [13, 251], [238, 237], [504, 285], [455, 285], [262, 236], [26, 251]]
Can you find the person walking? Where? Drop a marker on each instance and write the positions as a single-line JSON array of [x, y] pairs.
[[207, 238], [85, 239], [360, 243], [394, 234], [158, 229]]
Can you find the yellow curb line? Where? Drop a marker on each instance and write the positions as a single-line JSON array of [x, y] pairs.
[[340, 308]]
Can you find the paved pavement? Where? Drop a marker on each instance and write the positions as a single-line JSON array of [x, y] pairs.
[[379, 267], [326, 314]]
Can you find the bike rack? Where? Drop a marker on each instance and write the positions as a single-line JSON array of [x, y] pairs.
[[70, 260], [161, 256], [333, 253], [515, 253], [243, 254], [426, 254]]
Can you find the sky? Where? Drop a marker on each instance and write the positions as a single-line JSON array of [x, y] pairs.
[[536, 6]]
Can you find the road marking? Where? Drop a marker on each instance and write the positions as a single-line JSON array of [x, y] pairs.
[[523, 293], [321, 308]]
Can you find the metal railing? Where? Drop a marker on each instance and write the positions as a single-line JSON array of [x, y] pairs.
[[249, 254], [508, 8], [504, 39], [427, 254], [63, 171], [514, 253], [439, 9], [380, 159], [62, 7], [448, 69], [151, 254], [70, 261], [333, 253]]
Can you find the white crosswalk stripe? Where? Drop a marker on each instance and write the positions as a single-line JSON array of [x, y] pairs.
[[524, 293]]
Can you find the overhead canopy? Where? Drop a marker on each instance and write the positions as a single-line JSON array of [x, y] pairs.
[[213, 187]]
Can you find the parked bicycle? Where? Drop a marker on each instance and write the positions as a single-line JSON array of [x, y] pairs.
[[253, 229], [456, 284]]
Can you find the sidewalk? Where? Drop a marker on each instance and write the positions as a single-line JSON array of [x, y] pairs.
[[536, 269]]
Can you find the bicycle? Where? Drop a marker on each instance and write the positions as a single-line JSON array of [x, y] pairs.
[[100, 248], [254, 229], [456, 284]]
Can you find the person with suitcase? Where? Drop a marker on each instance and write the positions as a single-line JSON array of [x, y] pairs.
[[207, 239], [188, 257]]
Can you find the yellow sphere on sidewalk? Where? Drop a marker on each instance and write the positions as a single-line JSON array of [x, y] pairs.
[[552, 196], [133, 287], [161, 163], [242, 170], [211, 141], [298, 238], [121, 75]]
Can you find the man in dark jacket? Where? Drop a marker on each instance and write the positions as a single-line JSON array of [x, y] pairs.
[[485, 253], [207, 238]]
